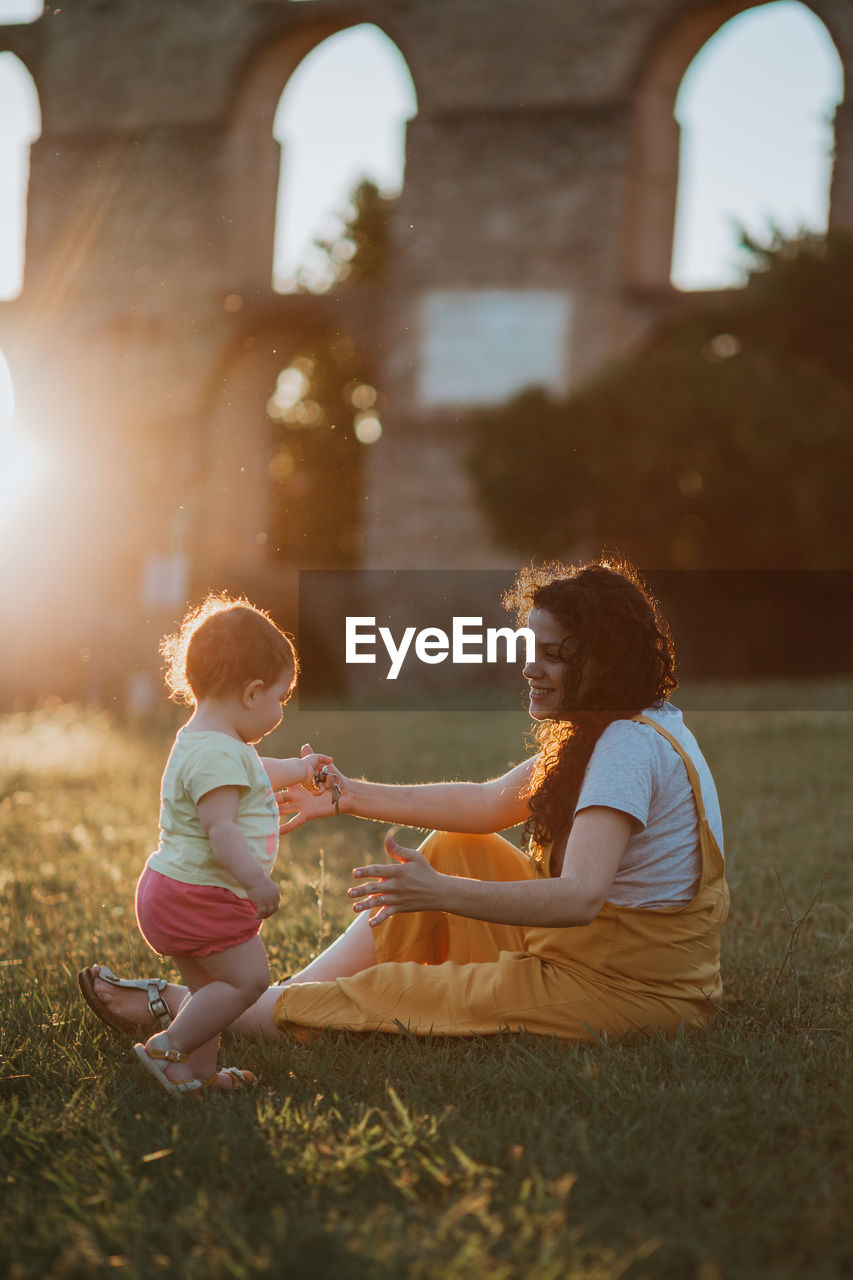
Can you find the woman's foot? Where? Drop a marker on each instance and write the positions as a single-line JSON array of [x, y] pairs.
[[131, 1004]]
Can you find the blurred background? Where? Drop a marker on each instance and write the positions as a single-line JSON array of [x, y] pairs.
[[355, 285]]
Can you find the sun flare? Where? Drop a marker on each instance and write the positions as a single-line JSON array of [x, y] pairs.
[[22, 470], [23, 466]]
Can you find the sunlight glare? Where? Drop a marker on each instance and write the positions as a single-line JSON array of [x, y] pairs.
[[291, 388], [22, 470], [22, 465], [7, 394], [367, 428]]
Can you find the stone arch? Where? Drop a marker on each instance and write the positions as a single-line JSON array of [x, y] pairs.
[[15, 144], [253, 154], [652, 177]]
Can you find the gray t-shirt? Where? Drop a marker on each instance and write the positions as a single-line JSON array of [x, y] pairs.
[[634, 769]]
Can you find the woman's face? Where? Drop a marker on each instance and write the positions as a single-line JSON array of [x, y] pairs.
[[546, 674]]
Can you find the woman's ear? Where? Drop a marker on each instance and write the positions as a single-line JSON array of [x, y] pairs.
[[251, 691]]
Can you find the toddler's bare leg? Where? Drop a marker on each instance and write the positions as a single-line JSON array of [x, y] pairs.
[[222, 986], [202, 1063]]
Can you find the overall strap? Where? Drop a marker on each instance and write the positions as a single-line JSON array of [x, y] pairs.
[[712, 855], [692, 774]]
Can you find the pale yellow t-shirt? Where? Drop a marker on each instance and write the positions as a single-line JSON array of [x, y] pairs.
[[198, 763]]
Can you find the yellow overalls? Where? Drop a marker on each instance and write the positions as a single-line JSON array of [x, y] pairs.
[[631, 969]]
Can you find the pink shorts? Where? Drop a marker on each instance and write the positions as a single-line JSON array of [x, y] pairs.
[[178, 919]]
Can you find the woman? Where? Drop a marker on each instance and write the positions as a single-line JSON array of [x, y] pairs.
[[608, 925]]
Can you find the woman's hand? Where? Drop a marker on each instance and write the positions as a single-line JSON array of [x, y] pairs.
[[412, 885], [298, 805]]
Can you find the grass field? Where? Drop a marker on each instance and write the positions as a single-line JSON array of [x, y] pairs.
[[725, 1154]]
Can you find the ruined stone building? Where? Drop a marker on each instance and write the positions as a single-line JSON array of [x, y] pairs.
[[532, 241]]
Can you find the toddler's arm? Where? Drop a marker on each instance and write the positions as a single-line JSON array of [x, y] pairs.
[[290, 772], [217, 811]]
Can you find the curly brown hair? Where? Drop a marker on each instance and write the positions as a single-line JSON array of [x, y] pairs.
[[611, 616], [221, 645]]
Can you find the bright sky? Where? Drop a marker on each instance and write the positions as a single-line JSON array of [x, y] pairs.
[[755, 110], [755, 107], [342, 117]]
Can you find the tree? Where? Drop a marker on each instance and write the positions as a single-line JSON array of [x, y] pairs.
[[359, 252], [725, 443], [326, 409]]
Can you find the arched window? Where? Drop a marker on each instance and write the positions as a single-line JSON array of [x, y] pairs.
[[20, 125], [755, 107], [341, 118]]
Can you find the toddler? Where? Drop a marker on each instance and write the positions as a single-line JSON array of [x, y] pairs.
[[206, 889]]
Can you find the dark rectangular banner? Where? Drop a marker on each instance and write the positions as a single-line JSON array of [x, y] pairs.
[[440, 639]]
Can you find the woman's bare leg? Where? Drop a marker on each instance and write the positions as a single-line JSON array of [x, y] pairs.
[[353, 951]]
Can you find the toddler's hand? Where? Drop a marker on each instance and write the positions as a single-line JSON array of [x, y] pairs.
[[265, 897], [316, 775]]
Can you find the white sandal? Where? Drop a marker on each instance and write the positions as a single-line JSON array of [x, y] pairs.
[[157, 1007], [156, 1060], [241, 1078]]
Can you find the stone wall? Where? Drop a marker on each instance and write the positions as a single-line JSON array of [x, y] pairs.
[[539, 199]]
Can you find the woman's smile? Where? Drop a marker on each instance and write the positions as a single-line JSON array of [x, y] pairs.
[[546, 674]]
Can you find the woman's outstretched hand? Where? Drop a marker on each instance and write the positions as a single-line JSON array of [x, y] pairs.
[[410, 885], [302, 802]]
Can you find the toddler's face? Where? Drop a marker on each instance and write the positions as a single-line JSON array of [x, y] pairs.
[[265, 709]]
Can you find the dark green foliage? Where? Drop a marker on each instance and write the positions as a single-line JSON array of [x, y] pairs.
[[317, 465], [360, 251], [725, 443], [316, 469]]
